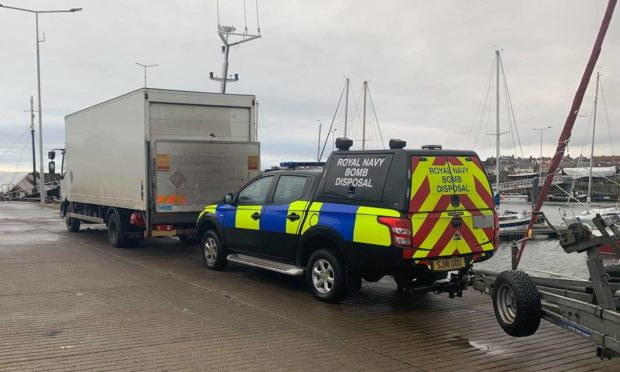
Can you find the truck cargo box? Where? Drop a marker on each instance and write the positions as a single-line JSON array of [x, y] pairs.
[[162, 152]]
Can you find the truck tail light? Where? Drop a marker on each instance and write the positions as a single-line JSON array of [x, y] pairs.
[[400, 231], [136, 219], [163, 227]]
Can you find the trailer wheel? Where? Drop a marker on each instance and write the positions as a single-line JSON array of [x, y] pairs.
[[213, 254], [73, 224], [517, 303], [115, 231]]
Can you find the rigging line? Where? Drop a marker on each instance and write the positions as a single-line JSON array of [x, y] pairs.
[[245, 18], [332, 123], [570, 195], [487, 120], [217, 4], [611, 140], [510, 122], [590, 122], [480, 107], [19, 160], [501, 63], [478, 120], [356, 114], [486, 114], [257, 20], [372, 104], [14, 143], [481, 118]]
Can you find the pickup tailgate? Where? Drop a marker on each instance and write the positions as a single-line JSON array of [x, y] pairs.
[[451, 208]]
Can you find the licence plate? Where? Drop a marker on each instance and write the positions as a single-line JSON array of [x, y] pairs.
[[445, 264]]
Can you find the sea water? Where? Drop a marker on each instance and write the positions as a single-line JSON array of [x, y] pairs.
[[542, 253]]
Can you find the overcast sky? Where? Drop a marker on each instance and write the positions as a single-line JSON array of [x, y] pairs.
[[427, 62]]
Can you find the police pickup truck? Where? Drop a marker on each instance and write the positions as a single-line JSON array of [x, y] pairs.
[[413, 214]]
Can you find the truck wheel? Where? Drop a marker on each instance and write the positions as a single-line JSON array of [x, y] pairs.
[[517, 304], [73, 224], [326, 276], [115, 231], [213, 254]]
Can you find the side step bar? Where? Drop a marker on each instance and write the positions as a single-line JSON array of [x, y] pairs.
[[262, 263]]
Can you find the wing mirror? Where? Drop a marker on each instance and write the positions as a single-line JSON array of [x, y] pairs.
[[228, 198], [51, 167]]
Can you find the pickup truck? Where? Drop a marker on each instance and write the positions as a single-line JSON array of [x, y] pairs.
[[413, 214]]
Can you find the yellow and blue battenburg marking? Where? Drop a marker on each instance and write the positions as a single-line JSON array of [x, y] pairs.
[[353, 223]]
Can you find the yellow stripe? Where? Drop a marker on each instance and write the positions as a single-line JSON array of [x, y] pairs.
[[243, 218], [437, 231], [367, 228], [298, 207], [313, 216], [207, 209]]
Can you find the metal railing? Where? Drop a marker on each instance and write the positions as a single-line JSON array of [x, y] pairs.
[[527, 183]]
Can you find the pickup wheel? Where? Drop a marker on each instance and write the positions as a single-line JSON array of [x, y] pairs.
[[73, 224], [326, 276], [517, 303], [115, 231], [213, 254]]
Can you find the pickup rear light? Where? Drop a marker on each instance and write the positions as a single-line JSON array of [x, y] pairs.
[[400, 231]]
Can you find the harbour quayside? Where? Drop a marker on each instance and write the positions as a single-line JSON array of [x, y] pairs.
[[168, 239]]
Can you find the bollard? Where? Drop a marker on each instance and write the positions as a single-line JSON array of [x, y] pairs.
[[514, 251]]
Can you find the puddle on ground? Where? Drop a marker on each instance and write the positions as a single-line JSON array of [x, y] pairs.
[[28, 238], [488, 349]]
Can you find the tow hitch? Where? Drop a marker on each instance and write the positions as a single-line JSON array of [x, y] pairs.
[[454, 286]]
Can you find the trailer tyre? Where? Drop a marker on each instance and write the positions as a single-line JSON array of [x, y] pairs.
[[73, 224], [517, 303], [115, 231], [213, 254]]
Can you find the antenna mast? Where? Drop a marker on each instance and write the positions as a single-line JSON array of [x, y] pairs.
[[231, 38]]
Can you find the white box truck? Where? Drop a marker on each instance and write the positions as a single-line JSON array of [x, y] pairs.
[[147, 162]]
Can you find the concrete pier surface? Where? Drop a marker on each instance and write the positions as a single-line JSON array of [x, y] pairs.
[[69, 301]]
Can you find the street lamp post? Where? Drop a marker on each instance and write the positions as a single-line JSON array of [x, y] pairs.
[[541, 133], [145, 67], [36, 14]]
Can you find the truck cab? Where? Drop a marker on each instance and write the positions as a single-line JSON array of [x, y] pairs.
[[413, 214]]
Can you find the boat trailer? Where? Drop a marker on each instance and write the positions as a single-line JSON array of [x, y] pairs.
[[588, 308]]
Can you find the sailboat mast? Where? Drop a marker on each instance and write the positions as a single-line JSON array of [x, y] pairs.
[[364, 120], [346, 109], [497, 133], [34, 156], [598, 77]]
